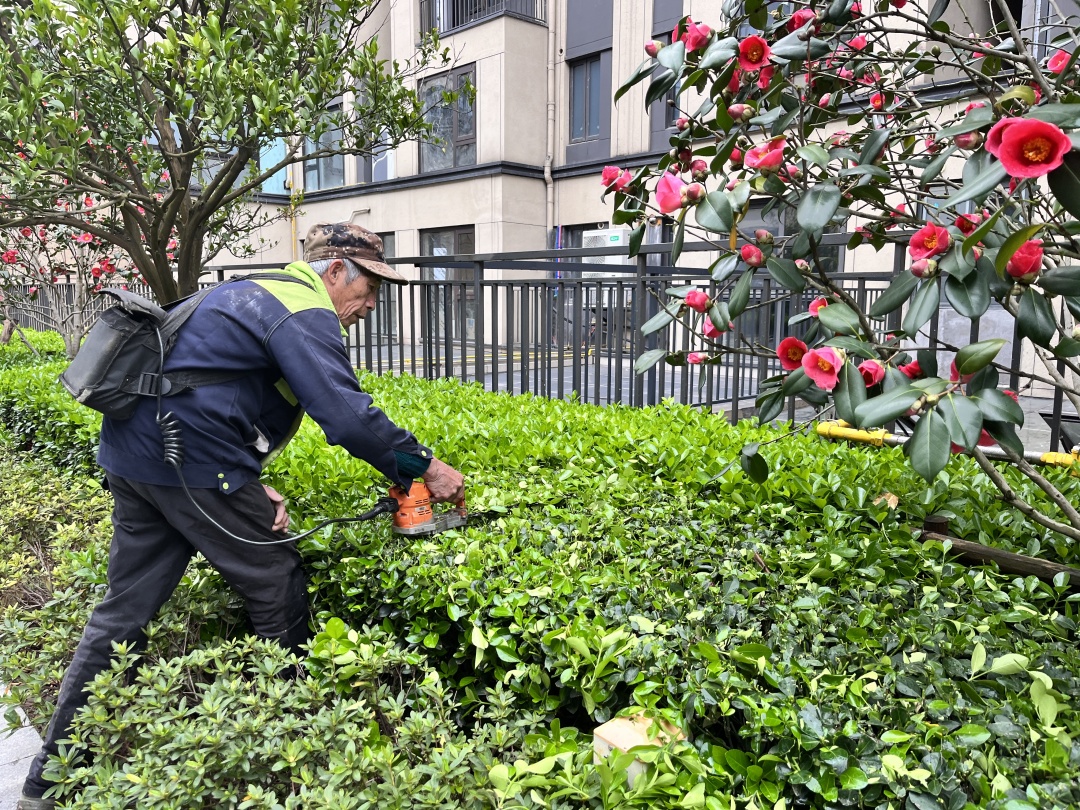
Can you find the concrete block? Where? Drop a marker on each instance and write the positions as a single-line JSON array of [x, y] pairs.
[[624, 733]]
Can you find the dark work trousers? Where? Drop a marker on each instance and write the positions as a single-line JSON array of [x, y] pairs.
[[156, 531]]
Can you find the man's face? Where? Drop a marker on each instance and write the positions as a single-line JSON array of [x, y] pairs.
[[352, 300]]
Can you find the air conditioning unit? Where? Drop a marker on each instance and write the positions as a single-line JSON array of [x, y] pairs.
[[605, 238]]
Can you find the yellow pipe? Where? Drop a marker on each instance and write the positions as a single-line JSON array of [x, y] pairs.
[[878, 438]]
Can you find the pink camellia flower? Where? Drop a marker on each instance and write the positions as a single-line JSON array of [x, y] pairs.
[[623, 180], [968, 140], [929, 240], [710, 330], [735, 81], [1026, 263], [84, 238], [816, 305], [768, 157], [872, 372], [753, 53], [823, 366], [27, 231], [1026, 147], [669, 193], [967, 223], [752, 255], [695, 359], [765, 76], [856, 9], [857, 43], [1058, 62], [912, 370], [32, 291], [800, 18], [790, 351], [840, 138], [698, 300], [847, 74], [10, 256], [609, 175], [924, 268], [696, 36], [973, 106], [741, 112], [877, 101], [980, 54]]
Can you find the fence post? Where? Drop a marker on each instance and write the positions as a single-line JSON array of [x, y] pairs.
[[478, 323], [640, 291]]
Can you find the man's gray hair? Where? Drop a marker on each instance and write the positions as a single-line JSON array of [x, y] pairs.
[[352, 271]]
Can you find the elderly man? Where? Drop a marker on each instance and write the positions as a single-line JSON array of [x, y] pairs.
[[282, 337]]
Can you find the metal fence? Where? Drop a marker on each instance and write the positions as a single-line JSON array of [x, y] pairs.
[[445, 16], [553, 324]]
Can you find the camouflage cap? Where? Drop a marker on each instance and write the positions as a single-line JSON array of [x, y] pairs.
[[343, 240]]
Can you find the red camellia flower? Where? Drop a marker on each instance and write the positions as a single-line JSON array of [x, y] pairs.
[[967, 223], [877, 101], [26, 230], [710, 330], [753, 53], [623, 180], [872, 372], [1026, 147], [800, 18], [765, 76], [929, 240], [823, 366], [696, 36], [857, 43], [669, 193], [609, 175], [1026, 263], [752, 255], [10, 256], [955, 376], [817, 304], [768, 157], [1058, 62], [697, 300], [912, 371], [695, 359], [790, 351]]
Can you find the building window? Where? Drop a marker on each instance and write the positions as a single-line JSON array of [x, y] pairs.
[[459, 241], [453, 137], [585, 94], [327, 171], [272, 154]]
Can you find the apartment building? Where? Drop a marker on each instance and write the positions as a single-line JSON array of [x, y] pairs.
[[519, 167]]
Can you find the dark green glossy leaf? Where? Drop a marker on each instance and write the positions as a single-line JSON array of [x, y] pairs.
[[679, 238], [976, 356], [1013, 243], [754, 465], [719, 53], [873, 144], [817, 207], [854, 346], [673, 56], [648, 360], [928, 447], [714, 212], [635, 239], [895, 296], [724, 267], [963, 419], [661, 318], [785, 273], [840, 318], [850, 393], [999, 407], [979, 188], [969, 296], [740, 296], [923, 306], [886, 407], [1061, 280], [645, 69], [1064, 182], [1035, 319], [1005, 435], [769, 406], [937, 10]]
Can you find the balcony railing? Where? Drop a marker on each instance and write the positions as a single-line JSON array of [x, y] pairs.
[[446, 16]]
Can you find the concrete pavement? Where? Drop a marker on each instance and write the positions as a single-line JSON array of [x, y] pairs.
[[16, 751]]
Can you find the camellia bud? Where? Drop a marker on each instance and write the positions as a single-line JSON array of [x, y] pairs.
[[968, 140], [802, 265], [695, 193], [763, 237], [741, 112], [682, 124], [935, 50], [924, 268], [700, 169], [653, 48], [736, 157], [752, 255], [1076, 332], [685, 156]]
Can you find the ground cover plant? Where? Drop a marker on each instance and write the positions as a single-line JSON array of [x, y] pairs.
[[814, 651]]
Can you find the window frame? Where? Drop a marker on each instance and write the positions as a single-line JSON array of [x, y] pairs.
[[586, 62], [457, 142], [318, 166]]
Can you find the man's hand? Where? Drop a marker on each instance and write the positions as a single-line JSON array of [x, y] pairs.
[[281, 517], [444, 482]]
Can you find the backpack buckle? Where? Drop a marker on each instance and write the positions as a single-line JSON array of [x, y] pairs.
[[150, 383]]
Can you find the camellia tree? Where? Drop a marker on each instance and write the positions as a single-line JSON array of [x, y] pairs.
[[52, 271], [172, 114], [885, 121]]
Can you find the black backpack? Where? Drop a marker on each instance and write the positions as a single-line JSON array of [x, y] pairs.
[[123, 356]]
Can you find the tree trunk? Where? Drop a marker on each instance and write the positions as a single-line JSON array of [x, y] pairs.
[[9, 330]]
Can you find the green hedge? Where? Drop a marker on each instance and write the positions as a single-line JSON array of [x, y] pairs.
[[813, 649]]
